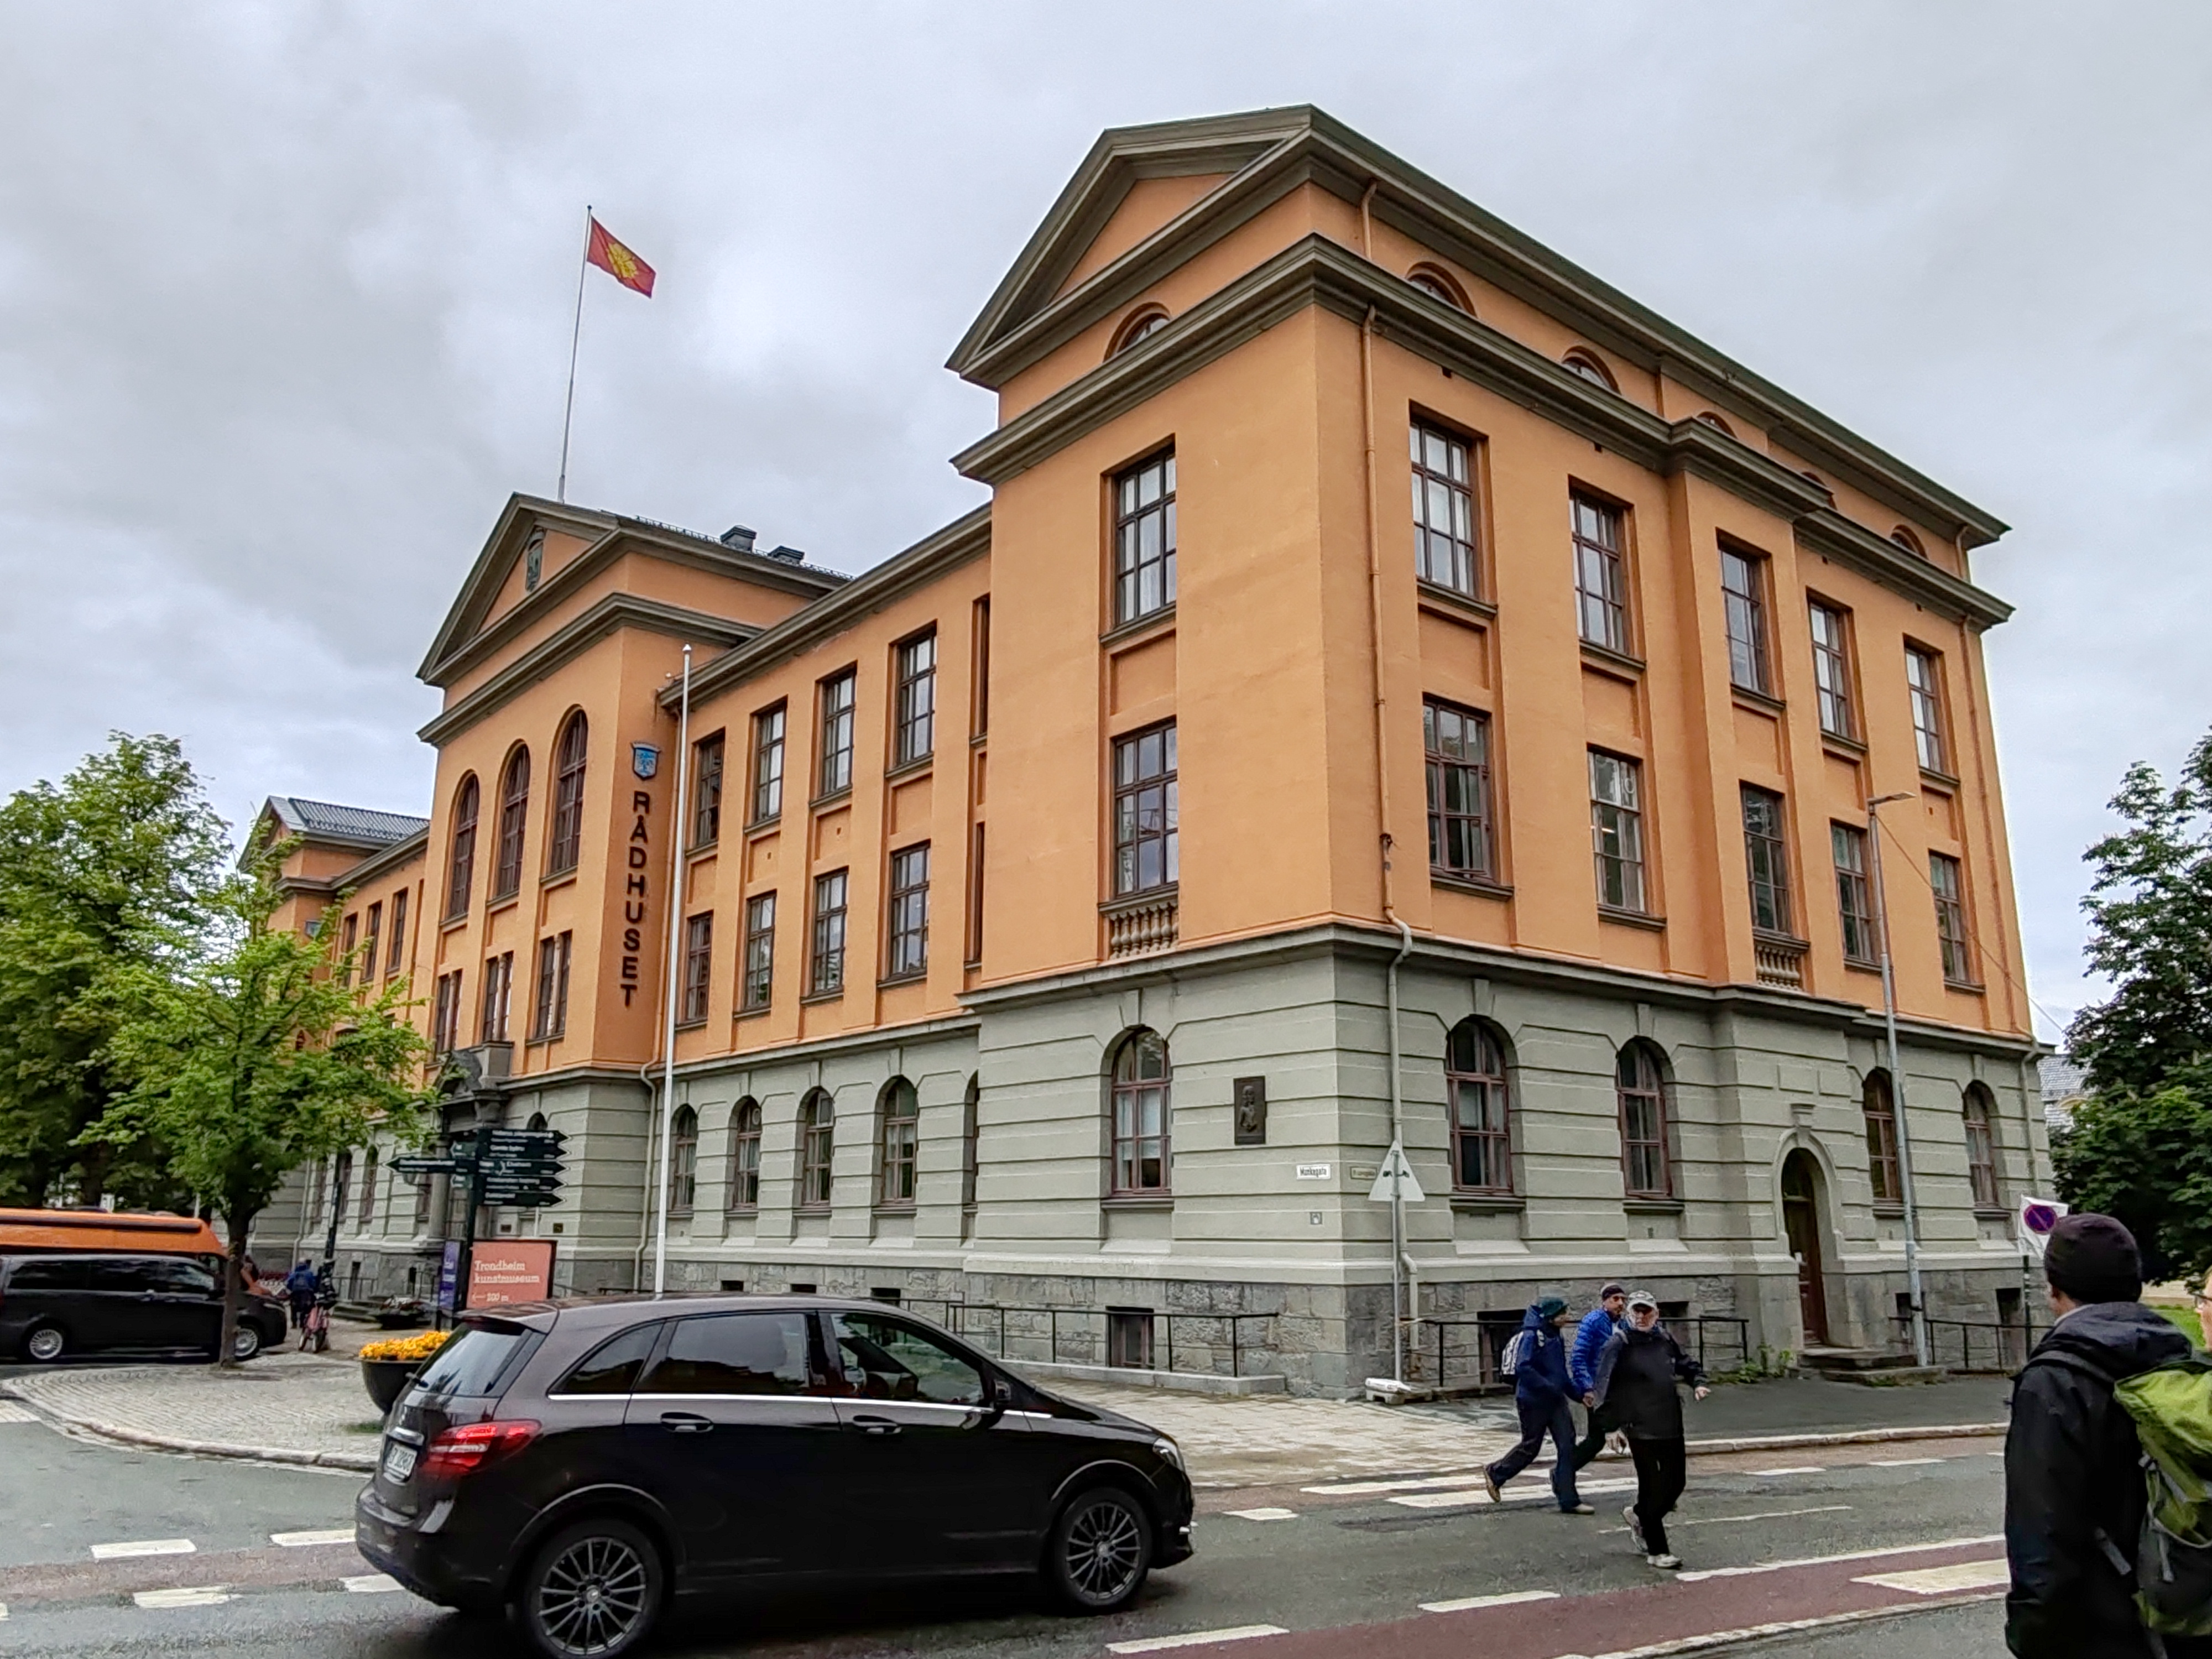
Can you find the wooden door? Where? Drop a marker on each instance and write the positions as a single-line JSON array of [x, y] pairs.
[[1801, 1225]]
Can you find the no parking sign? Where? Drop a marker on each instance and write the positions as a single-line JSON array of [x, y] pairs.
[[2037, 1216]]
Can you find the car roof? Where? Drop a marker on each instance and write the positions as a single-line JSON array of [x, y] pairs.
[[611, 1312]]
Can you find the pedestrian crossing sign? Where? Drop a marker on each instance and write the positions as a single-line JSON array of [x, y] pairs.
[[1395, 1178]]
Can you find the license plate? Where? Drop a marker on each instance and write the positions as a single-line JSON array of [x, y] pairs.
[[399, 1461]]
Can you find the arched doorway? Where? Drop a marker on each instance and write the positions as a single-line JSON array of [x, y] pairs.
[[1801, 1225]]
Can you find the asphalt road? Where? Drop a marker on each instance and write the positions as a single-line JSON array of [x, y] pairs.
[[1344, 1570]]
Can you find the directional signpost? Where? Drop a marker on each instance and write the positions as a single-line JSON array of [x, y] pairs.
[[516, 1168]]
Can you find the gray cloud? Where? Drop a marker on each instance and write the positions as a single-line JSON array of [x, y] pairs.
[[284, 299]]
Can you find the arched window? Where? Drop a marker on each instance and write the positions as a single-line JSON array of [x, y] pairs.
[[817, 1129], [1145, 322], [462, 870], [1590, 368], [971, 1129], [744, 1155], [1481, 1116], [537, 1121], [683, 1161], [898, 1115], [1911, 543], [568, 839], [513, 805], [1880, 1105], [1142, 1156], [1640, 1079], [1980, 1112], [1438, 286], [1709, 418]]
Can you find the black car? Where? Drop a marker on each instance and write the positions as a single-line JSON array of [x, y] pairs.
[[583, 1461], [56, 1305]]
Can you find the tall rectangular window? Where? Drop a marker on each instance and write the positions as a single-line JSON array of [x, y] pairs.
[[1444, 511], [1831, 670], [1949, 887], [1145, 811], [1145, 538], [551, 1017], [1743, 603], [975, 953], [768, 765], [826, 971], [1457, 743], [906, 924], [1923, 673], [1854, 898], [445, 1014], [397, 956], [760, 951], [981, 693], [698, 964], [369, 945], [707, 805], [915, 737], [1767, 860], [1617, 829], [349, 935], [834, 772], [1600, 574], [498, 997]]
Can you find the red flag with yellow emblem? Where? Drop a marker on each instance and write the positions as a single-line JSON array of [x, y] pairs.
[[619, 262]]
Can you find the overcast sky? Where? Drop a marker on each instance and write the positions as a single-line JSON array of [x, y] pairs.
[[285, 295]]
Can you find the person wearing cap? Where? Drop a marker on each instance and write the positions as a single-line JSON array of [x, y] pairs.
[[2073, 1489], [1596, 1329], [1539, 1394], [1636, 1378]]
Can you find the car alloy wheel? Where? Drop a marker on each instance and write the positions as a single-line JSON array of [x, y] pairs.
[[1104, 1548], [46, 1344], [595, 1591], [244, 1343]]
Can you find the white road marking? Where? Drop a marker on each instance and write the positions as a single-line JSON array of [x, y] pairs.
[[142, 1547], [301, 1540], [1468, 1603], [1529, 1494], [1364, 1488], [12, 1412], [1903, 1463], [371, 1584], [1942, 1581], [1727, 1520], [206, 1596], [1266, 1513], [3, 1609], [1197, 1638], [1728, 1638], [1849, 1555], [1802, 1468]]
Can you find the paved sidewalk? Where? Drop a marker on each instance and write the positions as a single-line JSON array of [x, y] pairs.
[[1812, 1405]]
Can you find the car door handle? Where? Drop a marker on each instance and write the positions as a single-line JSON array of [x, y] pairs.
[[878, 1425], [686, 1422]]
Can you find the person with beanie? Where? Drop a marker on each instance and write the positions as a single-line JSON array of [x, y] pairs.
[[1539, 1394], [1595, 1330], [1637, 1375], [2073, 1489]]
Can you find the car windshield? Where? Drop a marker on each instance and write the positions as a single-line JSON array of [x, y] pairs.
[[471, 1361]]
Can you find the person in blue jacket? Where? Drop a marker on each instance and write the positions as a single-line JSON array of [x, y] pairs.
[[1595, 1330], [1539, 1393]]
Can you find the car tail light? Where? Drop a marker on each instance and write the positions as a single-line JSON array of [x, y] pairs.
[[463, 1451]]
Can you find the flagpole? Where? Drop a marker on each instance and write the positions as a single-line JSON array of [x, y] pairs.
[[575, 339], [676, 833]]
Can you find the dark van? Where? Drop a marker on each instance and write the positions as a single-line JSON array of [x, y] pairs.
[[56, 1305]]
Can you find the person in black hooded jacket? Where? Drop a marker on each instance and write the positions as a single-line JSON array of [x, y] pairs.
[[2073, 1476], [1637, 1372]]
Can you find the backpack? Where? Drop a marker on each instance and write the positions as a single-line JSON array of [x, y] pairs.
[[2172, 1405], [1509, 1357]]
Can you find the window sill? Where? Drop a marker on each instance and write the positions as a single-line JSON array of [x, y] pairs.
[[1844, 748], [1479, 886], [691, 1024], [1643, 918], [675, 1214], [810, 1209], [451, 922], [978, 739], [742, 1211], [1650, 1205], [890, 979], [1607, 660], [835, 797], [1941, 780], [1488, 1203], [814, 997], [558, 877], [1764, 703], [703, 849], [1861, 965], [760, 827], [1965, 986], [1886, 1209], [504, 902], [754, 1012], [1786, 942], [1137, 1201], [1139, 628], [1167, 894], [1991, 1213], [914, 768], [905, 1208], [1440, 597]]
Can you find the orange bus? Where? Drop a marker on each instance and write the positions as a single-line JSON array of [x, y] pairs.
[[28, 1231]]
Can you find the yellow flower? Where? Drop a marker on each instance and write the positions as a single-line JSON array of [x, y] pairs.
[[419, 1347]]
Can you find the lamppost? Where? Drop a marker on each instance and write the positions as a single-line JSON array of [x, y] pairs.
[[1897, 1087]]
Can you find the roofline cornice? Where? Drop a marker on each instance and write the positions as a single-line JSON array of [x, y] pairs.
[[1312, 147], [399, 853], [966, 539], [614, 612], [1317, 270]]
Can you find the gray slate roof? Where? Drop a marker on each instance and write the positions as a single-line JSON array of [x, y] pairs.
[[362, 825]]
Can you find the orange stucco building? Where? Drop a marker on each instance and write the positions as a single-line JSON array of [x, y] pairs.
[[1374, 614]]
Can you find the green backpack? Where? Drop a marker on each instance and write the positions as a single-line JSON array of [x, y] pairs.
[[2172, 1405]]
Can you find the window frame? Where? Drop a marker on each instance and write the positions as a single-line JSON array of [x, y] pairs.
[[757, 954], [1977, 1112], [564, 849], [817, 1151], [1462, 554], [1128, 513], [550, 1016], [683, 1161], [1955, 937], [745, 1156], [1437, 767], [461, 859], [1878, 1112], [1127, 802], [906, 914], [698, 967], [393, 957], [372, 930], [1491, 1139], [1126, 1147], [1775, 879], [1609, 564], [838, 697], [914, 680], [1833, 681], [494, 1015], [822, 953], [1632, 862], [709, 760], [1745, 578], [971, 1136], [1853, 880], [898, 1141], [1931, 723], [514, 824], [764, 795], [1652, 1085]]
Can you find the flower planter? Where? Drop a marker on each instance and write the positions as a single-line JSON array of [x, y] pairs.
[[387, 1379]]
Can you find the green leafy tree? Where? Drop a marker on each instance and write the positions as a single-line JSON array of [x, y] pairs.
[[254, 1058], [2147, 1158], [113, 868], [2150, 933]]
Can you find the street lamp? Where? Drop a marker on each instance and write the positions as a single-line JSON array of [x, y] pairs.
[[1897, 1087]]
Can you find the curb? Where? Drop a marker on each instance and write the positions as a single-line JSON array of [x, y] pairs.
[[357, 1462], [1845, 1438]]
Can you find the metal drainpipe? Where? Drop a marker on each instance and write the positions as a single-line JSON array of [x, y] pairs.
[[1897, 1089]]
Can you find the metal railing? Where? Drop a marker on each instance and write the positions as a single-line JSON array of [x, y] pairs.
[[1986, 1345], [1043, 1334], [1460, 1351]]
